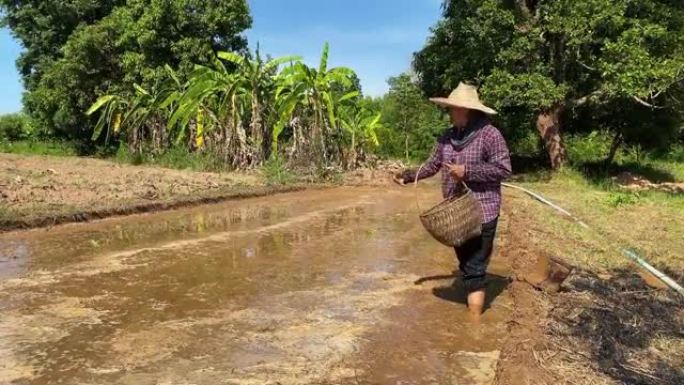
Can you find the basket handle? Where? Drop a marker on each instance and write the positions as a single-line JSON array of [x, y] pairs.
[[415, 186]]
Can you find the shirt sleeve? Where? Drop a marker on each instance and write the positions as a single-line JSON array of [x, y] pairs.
[[430, 168], [497, 166]]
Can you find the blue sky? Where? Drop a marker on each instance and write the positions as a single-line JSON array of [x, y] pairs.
[[376, 38], [10, 85]]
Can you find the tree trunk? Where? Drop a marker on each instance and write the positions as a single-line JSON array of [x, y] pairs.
[[133, 140], [225, 140], [549, 126], [192, 133], [614, 147], [256, 131], [353, 148], [323, 135]]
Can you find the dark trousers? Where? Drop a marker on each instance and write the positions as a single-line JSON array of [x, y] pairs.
[[473, 257]]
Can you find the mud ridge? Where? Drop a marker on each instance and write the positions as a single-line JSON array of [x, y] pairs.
[[123, 209], [519, 363]]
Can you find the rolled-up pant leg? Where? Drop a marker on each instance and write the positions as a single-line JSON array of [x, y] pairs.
[[473, 257]]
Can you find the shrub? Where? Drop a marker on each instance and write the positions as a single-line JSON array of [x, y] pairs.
[[591, 148], [525, 145], [35, 147], [617, 199], [14, 127], [276, 171], [178, 158], [676, 153]]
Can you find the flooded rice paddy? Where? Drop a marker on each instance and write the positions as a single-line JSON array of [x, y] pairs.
[[339, 286]]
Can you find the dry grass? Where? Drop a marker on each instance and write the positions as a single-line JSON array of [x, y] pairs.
[[616, 331]]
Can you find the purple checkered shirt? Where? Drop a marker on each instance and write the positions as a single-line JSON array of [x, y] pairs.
[[487, 163]]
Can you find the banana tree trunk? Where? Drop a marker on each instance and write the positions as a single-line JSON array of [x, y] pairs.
[[243, 149], [322, 132], [256, 130], [226, 140], [192, 133], [549, 126], [134, 141], [353, 149]]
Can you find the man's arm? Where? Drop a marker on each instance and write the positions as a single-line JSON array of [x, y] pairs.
[[430, 168]]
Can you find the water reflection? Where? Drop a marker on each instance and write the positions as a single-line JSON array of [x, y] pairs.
[[13, 257], [267, 285]]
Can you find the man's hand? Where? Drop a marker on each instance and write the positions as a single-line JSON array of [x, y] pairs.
[[457, 171]]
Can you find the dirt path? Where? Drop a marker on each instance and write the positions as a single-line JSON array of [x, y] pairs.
[[320, 287]]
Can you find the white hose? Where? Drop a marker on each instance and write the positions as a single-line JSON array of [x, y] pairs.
[[628, 253]]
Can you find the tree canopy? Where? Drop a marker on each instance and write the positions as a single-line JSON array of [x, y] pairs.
[[560, 61], [76, 50]]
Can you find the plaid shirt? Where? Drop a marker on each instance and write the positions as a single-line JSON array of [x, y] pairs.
[[487, 163]]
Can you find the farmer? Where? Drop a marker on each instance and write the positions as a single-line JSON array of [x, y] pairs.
[[471, 151]]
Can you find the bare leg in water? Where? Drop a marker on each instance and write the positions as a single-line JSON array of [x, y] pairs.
[[476, 301]]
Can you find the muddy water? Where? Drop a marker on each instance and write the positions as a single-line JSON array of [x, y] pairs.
[[325, 287]]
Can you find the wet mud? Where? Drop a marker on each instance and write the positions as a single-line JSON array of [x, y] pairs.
[[318, 287]]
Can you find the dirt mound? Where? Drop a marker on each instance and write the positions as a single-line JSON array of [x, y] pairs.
[[378, 175], [38, 191]]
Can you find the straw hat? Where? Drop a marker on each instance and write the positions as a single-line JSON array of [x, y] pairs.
[[464, 96]]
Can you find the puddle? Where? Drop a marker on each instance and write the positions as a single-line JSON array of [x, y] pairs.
[[334, 286]]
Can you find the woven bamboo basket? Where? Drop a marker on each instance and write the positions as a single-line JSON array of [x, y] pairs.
[[455, 220]]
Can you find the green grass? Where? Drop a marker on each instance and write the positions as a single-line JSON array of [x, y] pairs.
[[276, 172], [34, 147], [652, 222], [175, 158]]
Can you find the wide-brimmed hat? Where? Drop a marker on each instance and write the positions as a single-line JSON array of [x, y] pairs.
[[464, 96]]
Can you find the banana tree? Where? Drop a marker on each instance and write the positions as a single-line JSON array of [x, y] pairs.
[[218, 95], [119, 113], [145, 110], [301, 85], [113, 108], [149, 112], [257, 76], [362, 126]]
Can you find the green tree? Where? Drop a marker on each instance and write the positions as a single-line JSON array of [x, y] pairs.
[[410, 122], [546, 59], [77, 50], [406, 100], [14, 127]]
